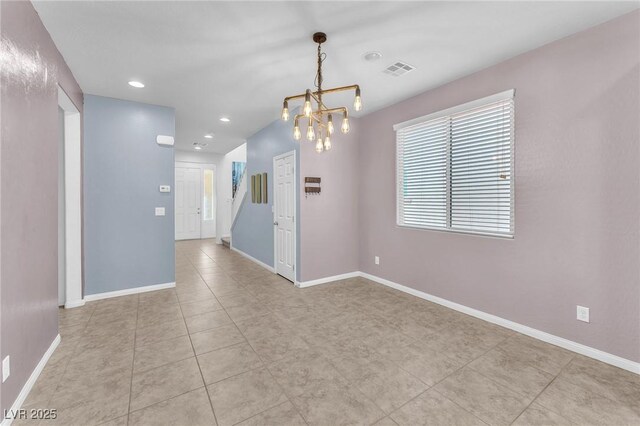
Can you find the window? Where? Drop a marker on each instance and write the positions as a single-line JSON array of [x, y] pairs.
[[455, 168], [208, 193]]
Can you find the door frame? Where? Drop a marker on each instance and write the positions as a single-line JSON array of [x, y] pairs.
[[295, 215], [73, 200], [202, 167]]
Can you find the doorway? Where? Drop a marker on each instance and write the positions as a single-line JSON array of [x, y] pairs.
[[284, 215], [62, 282], [69, 204], [195, 201]]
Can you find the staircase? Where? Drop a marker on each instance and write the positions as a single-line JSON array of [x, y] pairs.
[[226, 242], [236, 203]]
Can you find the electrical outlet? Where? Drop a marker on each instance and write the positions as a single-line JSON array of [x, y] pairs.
[[582, 313], [376, 260], [6, 368], [159, 211]]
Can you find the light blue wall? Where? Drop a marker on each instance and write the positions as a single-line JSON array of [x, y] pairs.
[[125, 244], [253, 229]]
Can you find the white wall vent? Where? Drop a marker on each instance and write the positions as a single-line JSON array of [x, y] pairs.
[[397, 69]]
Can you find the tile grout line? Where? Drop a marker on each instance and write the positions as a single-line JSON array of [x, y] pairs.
[[66, 365], [206, 389], [479, 372], [449, 375], [263, 366], [234, 323], [542, 391], [73, 354], [133, 361]]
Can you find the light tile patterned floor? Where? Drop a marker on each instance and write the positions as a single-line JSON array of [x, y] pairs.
[[234, 344]]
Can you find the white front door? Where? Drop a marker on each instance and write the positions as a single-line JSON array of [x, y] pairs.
[[187, 203], [285, 207]]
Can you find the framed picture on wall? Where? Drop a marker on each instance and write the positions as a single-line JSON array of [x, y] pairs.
[[264, 188], [253, 188], [237, 170], [258, 188]]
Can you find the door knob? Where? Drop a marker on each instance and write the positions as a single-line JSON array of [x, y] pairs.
[[275, 223]]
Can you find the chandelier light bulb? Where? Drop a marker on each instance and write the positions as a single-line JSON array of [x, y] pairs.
[[345, 125], [357, 103], [319, 146], [296, 131], [307, 104], [285, 111], [327, 143], [330, 125], [311, 133]]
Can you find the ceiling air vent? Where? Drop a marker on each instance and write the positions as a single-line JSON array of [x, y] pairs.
[[398, 69], [199, 145]]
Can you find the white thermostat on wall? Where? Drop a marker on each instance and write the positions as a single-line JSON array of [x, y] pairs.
[[165, 188], [165, 140]]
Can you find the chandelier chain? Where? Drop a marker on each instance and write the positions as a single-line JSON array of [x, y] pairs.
[[318, 80]]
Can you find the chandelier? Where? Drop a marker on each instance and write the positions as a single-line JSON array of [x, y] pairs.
[[320, 121]]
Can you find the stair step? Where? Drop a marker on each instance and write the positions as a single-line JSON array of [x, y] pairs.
[[226, 242]]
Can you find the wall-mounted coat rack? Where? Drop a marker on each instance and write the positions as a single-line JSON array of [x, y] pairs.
[[311, 186]]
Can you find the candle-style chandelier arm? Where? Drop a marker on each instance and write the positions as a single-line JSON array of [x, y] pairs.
[[342, 110], [313, 117], [323, 92]]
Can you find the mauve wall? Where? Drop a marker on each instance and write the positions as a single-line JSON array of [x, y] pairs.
[[329, 228], [576, 196], [32, 68], [125, 244], [252, 231]]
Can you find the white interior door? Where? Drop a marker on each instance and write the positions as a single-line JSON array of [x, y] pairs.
[[284, 223], [188, 199]]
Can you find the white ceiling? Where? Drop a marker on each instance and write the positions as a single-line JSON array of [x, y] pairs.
[[235, 58]]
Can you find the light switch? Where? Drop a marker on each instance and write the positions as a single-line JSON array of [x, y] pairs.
[[165, 188], [159, 211]]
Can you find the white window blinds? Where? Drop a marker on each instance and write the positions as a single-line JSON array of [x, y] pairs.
[[455, 168]]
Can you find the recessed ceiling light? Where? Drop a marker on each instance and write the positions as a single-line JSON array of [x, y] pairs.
[[225, 119], [372, 56], [136, 84], [197, 147], [208, 136]]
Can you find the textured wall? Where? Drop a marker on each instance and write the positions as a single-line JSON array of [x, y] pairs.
[[329, 228], [577, 194], [253, 230], [32, 68], [126, 245]]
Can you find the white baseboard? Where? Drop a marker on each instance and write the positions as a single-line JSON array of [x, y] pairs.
[[22, 396], [74, 304], [588, 351], [264, 265], [128, 291], [303, 284]]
